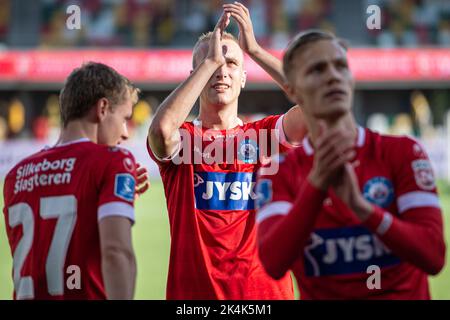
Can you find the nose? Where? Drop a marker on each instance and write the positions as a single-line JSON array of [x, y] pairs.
[[124, 136], [333, 74], [222, 72]]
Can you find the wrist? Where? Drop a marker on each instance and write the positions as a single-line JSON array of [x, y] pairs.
[[363, 209], [316, 182], [212, 63], [253, 51]]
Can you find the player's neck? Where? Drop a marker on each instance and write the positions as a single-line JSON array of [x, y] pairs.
[[222, 119], [76, 130], [346, 122]]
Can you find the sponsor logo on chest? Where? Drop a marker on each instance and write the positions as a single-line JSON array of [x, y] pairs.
[[224, 190], [344, 251]]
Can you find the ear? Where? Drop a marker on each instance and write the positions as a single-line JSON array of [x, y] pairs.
[[101, 109], [244, 79], [290, 92]]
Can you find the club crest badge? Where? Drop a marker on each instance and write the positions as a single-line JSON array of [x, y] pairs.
[[379, 191], [248, 151]]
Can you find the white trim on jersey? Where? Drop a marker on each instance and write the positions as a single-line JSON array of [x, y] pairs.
[[281, 135], [273, 209], [307, 146], [114, 209], [361, 137], [168, 158], [196, 122], [417, 199], [67, 143], [384, 224]]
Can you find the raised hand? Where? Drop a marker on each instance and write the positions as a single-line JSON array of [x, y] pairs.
[[215, 51], [142, 183], [240, 13], [347, 189], [333, 149]]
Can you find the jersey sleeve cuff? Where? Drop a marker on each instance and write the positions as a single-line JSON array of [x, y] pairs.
[[165, 159], [116, 209], [281, 135], [379, 221]]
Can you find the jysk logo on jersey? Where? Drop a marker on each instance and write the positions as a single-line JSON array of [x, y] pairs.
[[264, 192], [224, 190], [379, 191], [124, 186], [345, 251], [423, 174], [248, 151]]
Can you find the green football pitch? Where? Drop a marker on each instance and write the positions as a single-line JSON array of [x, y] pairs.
[[151, 242]]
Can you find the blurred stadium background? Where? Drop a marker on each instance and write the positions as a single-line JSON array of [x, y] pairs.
[[402, 72]]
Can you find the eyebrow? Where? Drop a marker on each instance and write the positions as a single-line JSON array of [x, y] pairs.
[[230, 59], [321, 62]]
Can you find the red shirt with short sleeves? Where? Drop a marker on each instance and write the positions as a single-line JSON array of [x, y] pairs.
[[53, 202], [212, 215]]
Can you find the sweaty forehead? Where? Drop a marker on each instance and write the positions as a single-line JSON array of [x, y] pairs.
[[229, 47]]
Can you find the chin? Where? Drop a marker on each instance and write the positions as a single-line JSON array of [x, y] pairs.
[[335, 111], [219, 102]]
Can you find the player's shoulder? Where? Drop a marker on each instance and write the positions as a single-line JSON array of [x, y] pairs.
[[262, 122], [117, 151], [285, 162], [390, 139], [118, 154], [395, 145], [30, 158]]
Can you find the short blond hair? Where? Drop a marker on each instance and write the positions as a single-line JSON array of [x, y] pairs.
[[301, 41], [205, 37]]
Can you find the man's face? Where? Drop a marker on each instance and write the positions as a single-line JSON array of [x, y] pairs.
[[113, 129], [321, 81], [224, 87]]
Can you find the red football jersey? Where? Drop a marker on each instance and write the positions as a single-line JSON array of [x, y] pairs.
[[209, 188], [395, 174], [53, 202]]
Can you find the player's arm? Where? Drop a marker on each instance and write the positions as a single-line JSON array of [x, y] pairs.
[[163, 136], [287, 220], [118, 260], [293, 123], [416, 234], [285, 225], [115, 214], [416, 237]]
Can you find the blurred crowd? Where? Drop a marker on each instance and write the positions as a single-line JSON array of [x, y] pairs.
[[177, 23], [18, 120], [21, 120], [412, 23]]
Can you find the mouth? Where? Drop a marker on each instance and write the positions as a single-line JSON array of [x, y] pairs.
[[220, 87], [336, 94]]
